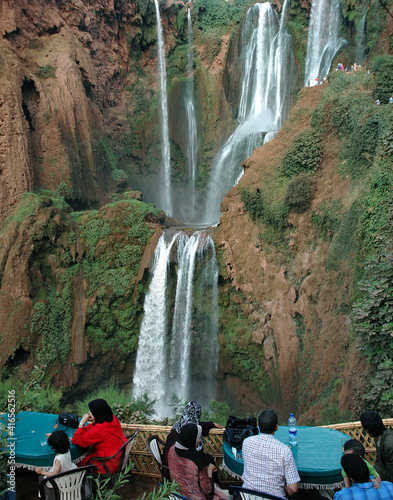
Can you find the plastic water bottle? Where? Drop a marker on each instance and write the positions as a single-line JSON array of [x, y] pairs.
[[292, 429]]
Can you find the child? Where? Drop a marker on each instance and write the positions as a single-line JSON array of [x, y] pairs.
[[356, 447], [60, 444]]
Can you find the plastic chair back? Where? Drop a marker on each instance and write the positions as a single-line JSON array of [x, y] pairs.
[[69, 485]]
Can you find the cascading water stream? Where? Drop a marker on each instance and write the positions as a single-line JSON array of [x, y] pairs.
[[150, 366], [166, 201], [323, 40], [192, 138], [264, 102], [360, 41], [174, 350]]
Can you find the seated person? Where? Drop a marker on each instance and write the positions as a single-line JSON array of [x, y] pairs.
[[269, 465], [104, 436], [60, 444], [191, 415], [373, 425], [188, 468], [356, 447], [357, 471]]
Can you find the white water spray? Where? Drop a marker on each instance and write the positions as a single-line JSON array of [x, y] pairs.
[[192, 138], [165, 146], [264, 103], [323, 40]]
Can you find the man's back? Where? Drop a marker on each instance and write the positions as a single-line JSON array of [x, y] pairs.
[[268, 465], [366, 491]]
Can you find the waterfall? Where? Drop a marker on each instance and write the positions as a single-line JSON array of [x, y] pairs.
[[192, 139], [150, 366], [267, 56], [179, 354], [360, 41], [323, 40], [166, 200]]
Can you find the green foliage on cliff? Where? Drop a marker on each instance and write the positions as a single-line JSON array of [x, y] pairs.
[[47, 71], [304, 155], [300, 192], [115, 238], [383, 67]]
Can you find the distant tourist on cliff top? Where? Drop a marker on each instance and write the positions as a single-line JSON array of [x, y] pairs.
[[362, 489], [373, 425], [192, 414], [269, 465]]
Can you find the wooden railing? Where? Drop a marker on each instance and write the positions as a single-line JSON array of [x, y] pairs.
[[145, 467]]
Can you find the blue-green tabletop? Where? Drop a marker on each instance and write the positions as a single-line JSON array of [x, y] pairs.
[[29, 432], [317, 455]]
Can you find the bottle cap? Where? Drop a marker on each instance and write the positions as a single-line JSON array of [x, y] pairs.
[[291, 415]]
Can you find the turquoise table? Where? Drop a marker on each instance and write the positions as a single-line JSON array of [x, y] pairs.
[[30, 429], [317, 456]]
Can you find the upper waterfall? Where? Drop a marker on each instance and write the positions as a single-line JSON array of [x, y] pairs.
[[267, 64], [323, 40], [166, 197]]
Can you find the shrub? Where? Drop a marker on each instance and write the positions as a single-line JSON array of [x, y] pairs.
[[304, 155], [126, 409], [47, 71], [383, 67], [327, 218], [373, 323], [300, 192]]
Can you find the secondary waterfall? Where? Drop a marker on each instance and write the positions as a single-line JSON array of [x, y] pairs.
[[192, 139], [166, 197], [267, 58], [178, 354], [360, 41], [323, 40]]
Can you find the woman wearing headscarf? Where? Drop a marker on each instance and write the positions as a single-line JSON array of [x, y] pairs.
[[104, 436], [188, 466], [191, 415]]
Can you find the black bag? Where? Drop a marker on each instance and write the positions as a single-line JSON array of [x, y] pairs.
[[69, 419], [237, 429]]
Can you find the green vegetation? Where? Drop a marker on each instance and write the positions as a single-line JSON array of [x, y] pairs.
[[304, 155], [127, 411], [33, 393], [300, 192], [383, 68], [47, 71]]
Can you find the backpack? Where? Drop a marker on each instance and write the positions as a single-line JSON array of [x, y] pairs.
[[237, 429]]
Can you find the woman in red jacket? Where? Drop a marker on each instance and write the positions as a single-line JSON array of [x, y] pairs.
[[104, 436]]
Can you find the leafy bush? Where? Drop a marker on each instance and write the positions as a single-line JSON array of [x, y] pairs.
[[304, 155], [383, 67], [47, 71], [300, 192], [327, 218], [272, 211], [373, 323], [126, 409]]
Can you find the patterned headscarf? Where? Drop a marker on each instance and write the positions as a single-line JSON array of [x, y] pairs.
[[191, 415]]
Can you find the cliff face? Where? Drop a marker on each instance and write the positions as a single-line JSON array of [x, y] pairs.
[[78, 116]]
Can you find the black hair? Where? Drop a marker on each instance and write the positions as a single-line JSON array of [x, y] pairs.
[[59, 442], [355, 468], [372, 423], [267, 421], [355, 446]]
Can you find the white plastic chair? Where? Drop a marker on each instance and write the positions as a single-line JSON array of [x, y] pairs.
[[69, 485]]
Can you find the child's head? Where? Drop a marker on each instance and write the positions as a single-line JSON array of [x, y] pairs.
[[354, 446], [59, 442]]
